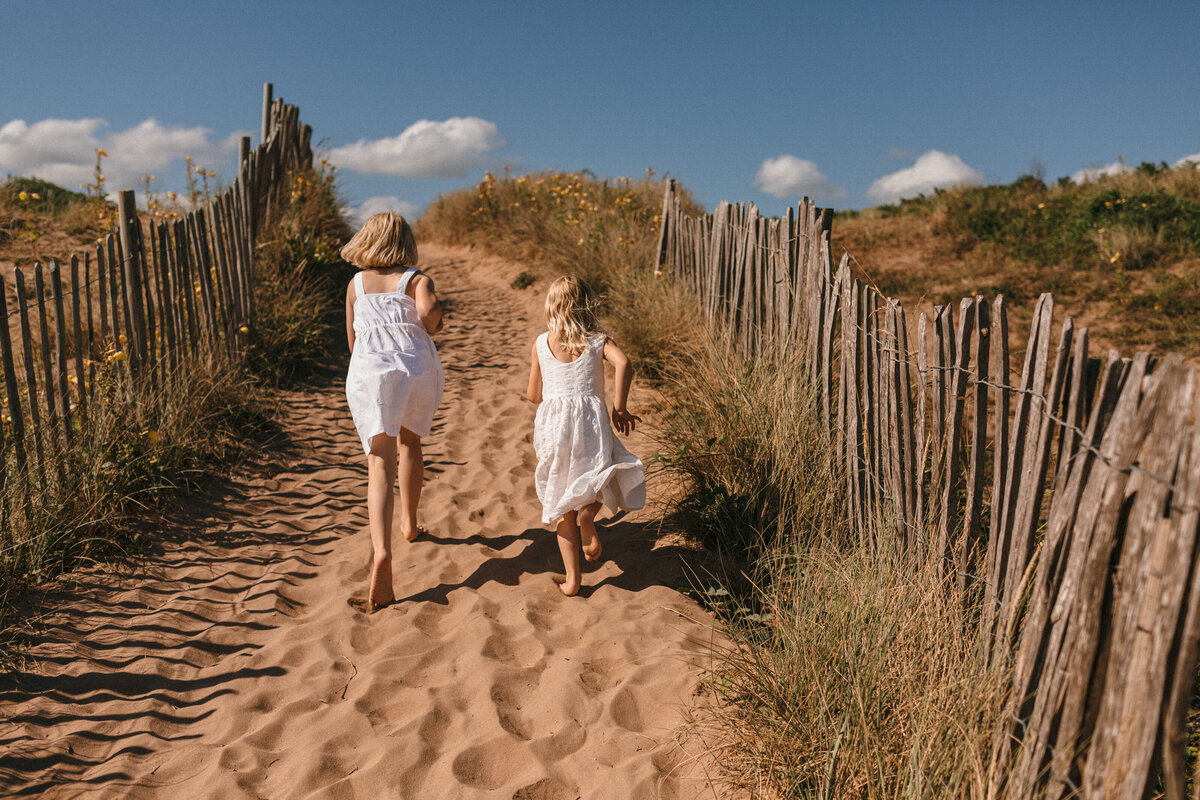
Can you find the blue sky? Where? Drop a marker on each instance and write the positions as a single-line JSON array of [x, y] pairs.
[[854, 103]]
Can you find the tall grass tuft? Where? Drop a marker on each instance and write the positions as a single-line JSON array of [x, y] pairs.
[[851, 673], [300, 279], [853, 678]]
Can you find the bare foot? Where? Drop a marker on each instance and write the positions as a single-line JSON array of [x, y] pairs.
[[414, 534], [381, 592], [364, 606], [568, 588], [590, 541]]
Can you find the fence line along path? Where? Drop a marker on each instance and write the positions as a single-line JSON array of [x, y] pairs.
[[1063, 506], [112, 327]]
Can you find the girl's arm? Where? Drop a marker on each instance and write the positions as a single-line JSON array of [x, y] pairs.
[[350, 315], [429, 307], [623, 421], [534, 392]]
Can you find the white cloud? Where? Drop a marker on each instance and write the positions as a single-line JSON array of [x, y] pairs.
[[1193, 159], [373, 205], [788, 176], [1095, 173], [425, 149], [63, 151], [934, 169]]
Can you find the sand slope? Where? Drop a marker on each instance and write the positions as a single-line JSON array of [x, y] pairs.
[[231, 664]]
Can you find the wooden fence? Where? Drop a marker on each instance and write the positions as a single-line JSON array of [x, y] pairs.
[[152, 295], [1065, 506]]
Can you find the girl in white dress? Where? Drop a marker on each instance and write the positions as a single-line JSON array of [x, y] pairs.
[[394, 383], [581, 464]]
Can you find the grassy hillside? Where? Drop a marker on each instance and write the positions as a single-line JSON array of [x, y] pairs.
[[1121, 254]]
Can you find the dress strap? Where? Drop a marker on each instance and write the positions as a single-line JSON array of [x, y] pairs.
[[406, 279], [358, 284]]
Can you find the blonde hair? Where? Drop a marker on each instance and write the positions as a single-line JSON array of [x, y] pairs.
[[571, 313], [384, 240]]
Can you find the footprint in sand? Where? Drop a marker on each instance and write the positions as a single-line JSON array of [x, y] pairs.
[[494, 763]]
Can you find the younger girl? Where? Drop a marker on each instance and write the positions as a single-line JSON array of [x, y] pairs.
[[580, 462], [394, 383]]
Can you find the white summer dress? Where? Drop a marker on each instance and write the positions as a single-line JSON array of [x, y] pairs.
[[395, 377], [580, 459]]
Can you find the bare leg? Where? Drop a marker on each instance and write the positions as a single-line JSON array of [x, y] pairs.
[[381, 476], [412, 473], [568, 546], [587, 531]]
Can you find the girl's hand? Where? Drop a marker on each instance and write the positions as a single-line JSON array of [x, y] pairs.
[[623, 421]]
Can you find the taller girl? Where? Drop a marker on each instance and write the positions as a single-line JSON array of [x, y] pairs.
[[394, 383]]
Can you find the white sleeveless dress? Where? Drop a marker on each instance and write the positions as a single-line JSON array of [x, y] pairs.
[[580, 459], [395, 378]]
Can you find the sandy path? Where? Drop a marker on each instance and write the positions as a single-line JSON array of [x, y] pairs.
[[231, 665]]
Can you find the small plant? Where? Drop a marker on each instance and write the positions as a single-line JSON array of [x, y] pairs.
[[31, 223], [197, 194], [523, 281], [104, 214]]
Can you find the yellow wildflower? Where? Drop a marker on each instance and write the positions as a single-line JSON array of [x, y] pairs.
[[100, 151], [23, 197]]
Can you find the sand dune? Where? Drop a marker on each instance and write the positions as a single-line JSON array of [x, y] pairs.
[[230, 664]]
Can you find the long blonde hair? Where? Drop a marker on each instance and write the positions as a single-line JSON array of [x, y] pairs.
[[384, 240], [571, 313]]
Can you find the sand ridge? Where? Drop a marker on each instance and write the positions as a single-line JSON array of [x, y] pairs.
[[231, 664]]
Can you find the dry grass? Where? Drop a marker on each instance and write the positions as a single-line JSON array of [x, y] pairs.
[[832, 688], [853, 679]]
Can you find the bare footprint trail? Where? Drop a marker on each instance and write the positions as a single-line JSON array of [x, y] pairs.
[[231, 665]]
